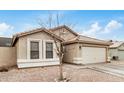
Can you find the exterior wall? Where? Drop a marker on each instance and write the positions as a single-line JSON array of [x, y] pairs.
[[121, 55], [7, 56], [71, 53], [113, 52], [121, 52], [66, 35], [23, 58]]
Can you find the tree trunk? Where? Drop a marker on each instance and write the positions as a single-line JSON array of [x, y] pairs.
[[61, 62], [61, 70]]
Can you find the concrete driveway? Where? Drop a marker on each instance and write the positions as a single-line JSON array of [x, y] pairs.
[[114, 68]]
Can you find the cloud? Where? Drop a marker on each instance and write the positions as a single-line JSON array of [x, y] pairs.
[[5, 28], [95, 28], [112, 25]]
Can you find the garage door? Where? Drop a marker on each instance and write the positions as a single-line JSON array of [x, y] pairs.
[[93, 55]]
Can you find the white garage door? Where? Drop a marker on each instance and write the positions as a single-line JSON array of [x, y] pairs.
[[93, 55]]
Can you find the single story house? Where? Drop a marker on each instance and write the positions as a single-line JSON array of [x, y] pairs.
[[116, 50], [38, 48], [81, 49]]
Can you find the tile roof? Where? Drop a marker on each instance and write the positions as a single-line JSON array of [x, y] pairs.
[[78, 38], [89, 40], [116, 44]]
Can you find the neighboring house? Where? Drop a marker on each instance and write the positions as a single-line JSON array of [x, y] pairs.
[[5, 42], [116, 50], [36, 48]]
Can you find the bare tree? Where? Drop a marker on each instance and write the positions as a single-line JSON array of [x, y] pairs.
[[50, 22], [61, 52]]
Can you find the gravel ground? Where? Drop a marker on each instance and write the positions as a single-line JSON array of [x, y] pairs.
[[51, 74]]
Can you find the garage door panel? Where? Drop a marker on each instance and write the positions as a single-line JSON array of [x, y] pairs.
[[93, 55]]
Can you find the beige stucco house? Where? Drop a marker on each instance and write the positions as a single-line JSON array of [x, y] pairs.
[[37, 48], [116, 50]]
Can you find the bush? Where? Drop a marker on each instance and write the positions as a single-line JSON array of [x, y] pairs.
[[3, 69]]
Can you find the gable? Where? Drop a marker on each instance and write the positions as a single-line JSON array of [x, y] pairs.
[[65, 33], [33, 32], [121, 47], [40, 35]]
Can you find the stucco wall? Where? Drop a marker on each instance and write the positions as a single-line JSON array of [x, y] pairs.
[[22, 43], [71, 52], [66, 36], [113, 52], [119, 51], [23, 51], [121, 55], [7, 56]]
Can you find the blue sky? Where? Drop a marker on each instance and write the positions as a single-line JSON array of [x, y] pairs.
[[100, 24]]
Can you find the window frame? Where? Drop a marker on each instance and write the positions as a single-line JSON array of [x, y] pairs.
[[29, 48], [31, 51], [49, 41], [49, 51]]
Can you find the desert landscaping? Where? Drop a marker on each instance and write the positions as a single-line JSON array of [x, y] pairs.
[[74, 73]]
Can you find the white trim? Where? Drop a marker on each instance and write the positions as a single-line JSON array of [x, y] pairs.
[[23, 63], [54, 48], [36, 60], [28, 48]]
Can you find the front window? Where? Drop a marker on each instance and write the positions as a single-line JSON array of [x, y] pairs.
[[49, 50], [34, 53]]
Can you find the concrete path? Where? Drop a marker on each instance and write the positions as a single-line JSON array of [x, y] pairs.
[[110, 68]]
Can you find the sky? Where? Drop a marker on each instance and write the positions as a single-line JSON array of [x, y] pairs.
[[101, 24]]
